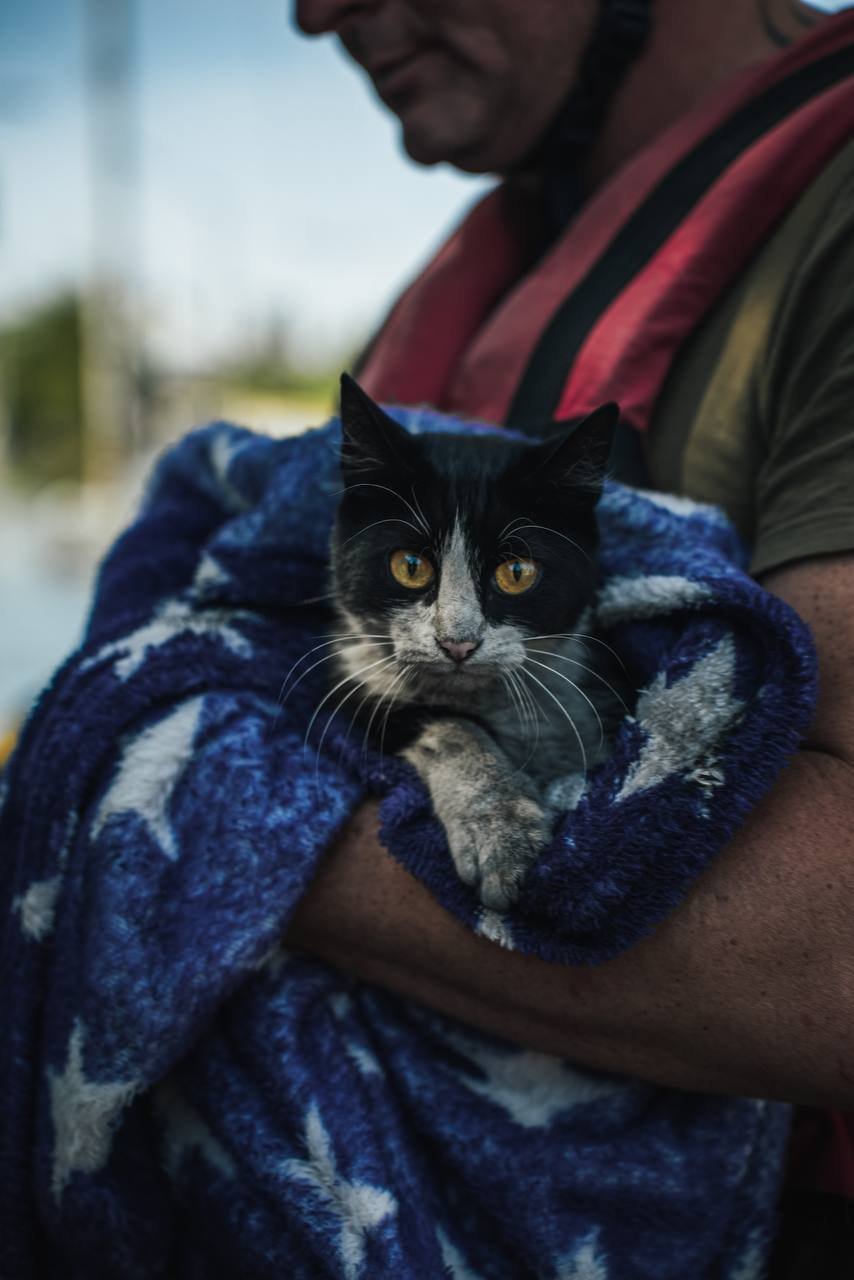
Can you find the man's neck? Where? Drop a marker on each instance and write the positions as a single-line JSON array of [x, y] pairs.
[[695, 47]]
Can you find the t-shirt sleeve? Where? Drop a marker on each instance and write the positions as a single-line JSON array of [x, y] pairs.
[[805, 487]]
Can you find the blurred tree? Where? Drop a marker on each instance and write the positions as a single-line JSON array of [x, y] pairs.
[[265, 363], [40, 359]]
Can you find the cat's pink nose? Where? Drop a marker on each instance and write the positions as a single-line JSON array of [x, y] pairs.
[[459, 651]]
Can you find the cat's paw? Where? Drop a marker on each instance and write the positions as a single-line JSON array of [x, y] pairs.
[[495, 828], [493, 850]]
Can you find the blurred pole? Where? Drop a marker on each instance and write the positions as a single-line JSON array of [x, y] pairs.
[[110, 338], [4, 399]]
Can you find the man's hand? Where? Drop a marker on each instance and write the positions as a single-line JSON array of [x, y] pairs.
[[747, 988]]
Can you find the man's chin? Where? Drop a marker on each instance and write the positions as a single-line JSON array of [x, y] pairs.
[[428, 142], [472, 154]]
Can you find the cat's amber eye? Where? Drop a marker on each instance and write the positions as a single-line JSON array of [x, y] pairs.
[[515, 576], [411, 570]]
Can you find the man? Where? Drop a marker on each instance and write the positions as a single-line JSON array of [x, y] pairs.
[[747, 988]]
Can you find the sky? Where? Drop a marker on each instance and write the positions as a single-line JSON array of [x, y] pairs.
[[269, 186]]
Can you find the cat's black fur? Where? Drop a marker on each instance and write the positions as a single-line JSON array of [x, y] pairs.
[[455, 659]]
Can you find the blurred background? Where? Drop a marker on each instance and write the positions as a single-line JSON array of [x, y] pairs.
[[202, 215]]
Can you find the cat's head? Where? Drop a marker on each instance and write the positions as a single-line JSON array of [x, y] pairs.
[[451, 550]]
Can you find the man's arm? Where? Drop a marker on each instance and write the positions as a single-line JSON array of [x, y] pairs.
[[747, 988]]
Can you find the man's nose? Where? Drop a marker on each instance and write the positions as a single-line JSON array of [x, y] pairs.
[[315, 17]]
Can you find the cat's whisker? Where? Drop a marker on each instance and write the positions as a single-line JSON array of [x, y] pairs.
[[380, 701], [352, 635], [333, 713], [529, 707], [354, 454], [353, 676], [403, 673], [327, 595], [578, 690], [388, 520], [285, 693], [364, 484], [562, 657], [514, 537], [355, 636], [547, 529], [524, 723], [510, 524], [357, 712], [523, 714], [562, 710], [331, 717], [420, 511], [533, 706], [514, 698], [581, 635], [330, 637], [530, 710]]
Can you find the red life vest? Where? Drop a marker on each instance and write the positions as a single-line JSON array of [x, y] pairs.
[[603, 314], [605, 311]]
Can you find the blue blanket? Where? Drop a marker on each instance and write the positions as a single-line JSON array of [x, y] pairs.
[[186, 1098]]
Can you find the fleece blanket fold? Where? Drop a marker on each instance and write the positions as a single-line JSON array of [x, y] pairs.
[[185, 1097]]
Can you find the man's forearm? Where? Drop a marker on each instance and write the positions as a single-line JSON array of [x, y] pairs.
[[747, 988]]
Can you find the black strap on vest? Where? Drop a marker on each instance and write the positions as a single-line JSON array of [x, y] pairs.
[[619, 34], [650, 225]]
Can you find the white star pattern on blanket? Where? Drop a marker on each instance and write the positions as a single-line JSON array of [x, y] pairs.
[[184, 1131], [752, 1266], [585, 1264], [171, 619], [342, 1006], [357, 1205], [84, 1114], [454, 1260], [150, 767], [532, 1088], [685, 721], [208, 576], [681, 506], [172, 1057], [647, 595], [37, 907], [222, 451]]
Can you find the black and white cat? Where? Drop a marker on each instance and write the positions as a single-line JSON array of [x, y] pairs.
[[461, 567]]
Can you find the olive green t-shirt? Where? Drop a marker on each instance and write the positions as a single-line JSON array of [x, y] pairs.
[[757, 414]]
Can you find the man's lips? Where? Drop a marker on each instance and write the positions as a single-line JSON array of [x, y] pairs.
[[391, 75]]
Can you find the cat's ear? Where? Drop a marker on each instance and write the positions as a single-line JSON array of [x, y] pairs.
[[578, 456], [370, 439]]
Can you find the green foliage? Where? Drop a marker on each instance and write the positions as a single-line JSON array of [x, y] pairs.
[[40, 367], [265, 364], [279, 379]]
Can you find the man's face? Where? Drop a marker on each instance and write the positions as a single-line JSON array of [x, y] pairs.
[[473, 82]]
